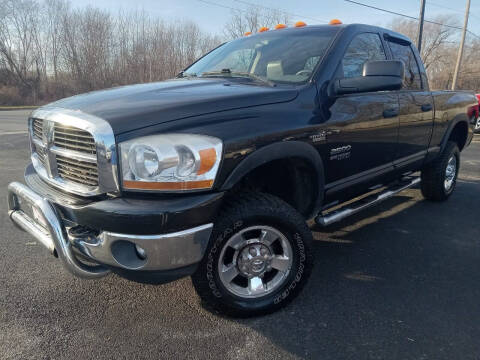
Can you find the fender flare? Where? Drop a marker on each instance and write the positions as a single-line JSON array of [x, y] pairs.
[[278, 151], [450, 128]]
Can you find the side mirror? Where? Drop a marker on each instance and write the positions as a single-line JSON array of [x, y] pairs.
[[377, 76]]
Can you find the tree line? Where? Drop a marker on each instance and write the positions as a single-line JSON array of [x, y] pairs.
[[440, 49], [50, 50]]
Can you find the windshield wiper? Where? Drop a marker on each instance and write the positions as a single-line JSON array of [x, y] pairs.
[[183, 74], [229, 73]]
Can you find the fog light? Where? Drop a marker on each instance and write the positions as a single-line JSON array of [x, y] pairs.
[[140, 252]]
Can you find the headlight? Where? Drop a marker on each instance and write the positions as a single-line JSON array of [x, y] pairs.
[[170, 162]]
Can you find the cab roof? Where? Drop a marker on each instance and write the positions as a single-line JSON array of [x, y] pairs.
[[340, 27]]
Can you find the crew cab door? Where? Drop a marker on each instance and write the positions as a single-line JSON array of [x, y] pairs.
[[362, 129], [416, 107]]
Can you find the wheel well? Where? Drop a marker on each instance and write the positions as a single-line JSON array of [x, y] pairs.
[[459, 134], [293, 180]]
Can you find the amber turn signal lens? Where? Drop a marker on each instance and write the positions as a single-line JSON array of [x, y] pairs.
[[208, 157], [280, 26], [263, 28], [335, 22], [300, 24], [165, 185]]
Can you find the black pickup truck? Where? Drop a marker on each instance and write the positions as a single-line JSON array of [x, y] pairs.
[[214, 174]]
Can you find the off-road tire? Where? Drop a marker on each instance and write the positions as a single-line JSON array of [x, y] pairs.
[[433, 175], [240, 212]]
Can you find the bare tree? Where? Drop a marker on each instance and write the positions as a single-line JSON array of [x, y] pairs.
[[55, 11], [19, 45], [435, 37], [439, 51], [252, 19], [49, 50]]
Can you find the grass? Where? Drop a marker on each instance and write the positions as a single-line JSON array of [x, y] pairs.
[[23, 107]]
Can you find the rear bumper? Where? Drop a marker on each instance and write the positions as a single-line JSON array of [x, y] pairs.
[[52, 223]]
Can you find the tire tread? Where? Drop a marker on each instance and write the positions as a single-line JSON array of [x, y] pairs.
[[433, 175], [239, 206]]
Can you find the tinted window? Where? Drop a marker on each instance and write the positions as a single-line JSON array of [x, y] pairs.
[[363, 48], [404, 53], [311, 63]]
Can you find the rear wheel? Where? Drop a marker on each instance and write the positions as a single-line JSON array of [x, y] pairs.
[[477, 126], [440, 177], [258, 259]]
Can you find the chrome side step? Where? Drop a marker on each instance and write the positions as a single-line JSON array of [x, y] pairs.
[[326, 218]]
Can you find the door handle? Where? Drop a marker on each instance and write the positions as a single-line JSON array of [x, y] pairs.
[[389, 113], [427, 107]]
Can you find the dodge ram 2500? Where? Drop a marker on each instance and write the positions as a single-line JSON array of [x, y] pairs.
[[215, 173]]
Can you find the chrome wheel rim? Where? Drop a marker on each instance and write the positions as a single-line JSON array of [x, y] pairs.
[[255, 261], [450, 172], [477, 125]]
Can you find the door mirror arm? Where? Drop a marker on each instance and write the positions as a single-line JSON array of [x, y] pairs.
[[366, 84]]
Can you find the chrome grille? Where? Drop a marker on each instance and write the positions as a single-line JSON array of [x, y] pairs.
[[37, 128], [78, 171], [67, 144], [70, 138], [42, 155], [74, 151]]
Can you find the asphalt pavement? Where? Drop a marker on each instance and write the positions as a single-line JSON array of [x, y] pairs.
[[398, 281]]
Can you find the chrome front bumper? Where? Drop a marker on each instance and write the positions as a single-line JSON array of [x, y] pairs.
[[37, 216]]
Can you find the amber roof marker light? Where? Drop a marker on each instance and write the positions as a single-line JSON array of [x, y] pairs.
[[263, 29], [335, 22], [280, 26], [248, 33], [300, 24]]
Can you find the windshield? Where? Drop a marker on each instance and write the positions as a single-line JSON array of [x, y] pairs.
[[283, 56]]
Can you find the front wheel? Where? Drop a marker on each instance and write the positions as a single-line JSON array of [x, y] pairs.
[[258, 259]]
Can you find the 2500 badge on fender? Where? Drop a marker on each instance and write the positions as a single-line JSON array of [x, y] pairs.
[[215, 173]]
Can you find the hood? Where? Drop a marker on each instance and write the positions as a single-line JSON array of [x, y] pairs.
[[132, 107]]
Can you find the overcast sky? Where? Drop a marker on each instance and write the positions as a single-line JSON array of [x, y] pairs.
[[211, 15]]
